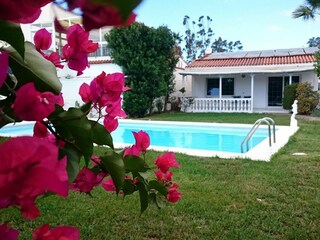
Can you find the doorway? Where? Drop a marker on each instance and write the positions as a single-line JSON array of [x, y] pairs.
[[275, 89]]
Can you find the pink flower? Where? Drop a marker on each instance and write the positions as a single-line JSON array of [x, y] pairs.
[[163, 177], [166, 161], [85, 181], [85, 93], [110, 123], [142, 140], [30, 167], [173, 195], [115, 109], [54, 57], [21, 11], [133, 151], [40, 130], [59, 100], [108, 185], [42, 39], [107, 89], [32, 105], [4, 63], [77, 49], [58, 233], [7, 233], [113, 86], [96, 16]]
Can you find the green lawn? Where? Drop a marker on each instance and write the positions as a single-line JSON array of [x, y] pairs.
[[221, 199]]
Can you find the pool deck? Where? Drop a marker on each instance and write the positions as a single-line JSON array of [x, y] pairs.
[[261, 152]]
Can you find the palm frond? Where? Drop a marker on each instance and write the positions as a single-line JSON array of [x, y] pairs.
[[305, 12]]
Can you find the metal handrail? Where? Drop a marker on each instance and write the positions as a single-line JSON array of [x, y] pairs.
[[273, 127], [256, 125]]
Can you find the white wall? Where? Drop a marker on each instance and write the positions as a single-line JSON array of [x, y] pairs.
[[72, 83], [242, 85], [199, 87], [310, 77], [260, 91]]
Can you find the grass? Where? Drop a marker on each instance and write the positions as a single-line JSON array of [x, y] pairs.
[[280, 119], [221, 199]]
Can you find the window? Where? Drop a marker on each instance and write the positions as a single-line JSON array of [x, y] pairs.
[[227, 86], [294, 79], [213, 86]]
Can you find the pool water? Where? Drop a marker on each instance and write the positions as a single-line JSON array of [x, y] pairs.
[[213, 138], [177, 135]]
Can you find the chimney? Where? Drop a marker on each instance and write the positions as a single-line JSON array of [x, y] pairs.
[[208, 51]]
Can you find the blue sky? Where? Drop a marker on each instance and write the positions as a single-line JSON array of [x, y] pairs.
[[258, 24]]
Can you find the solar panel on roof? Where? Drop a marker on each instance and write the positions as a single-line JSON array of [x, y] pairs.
[[224, 55], [263, 53], [267, 53], [253, 54], [296, 51], [281, 52], [311, 50]]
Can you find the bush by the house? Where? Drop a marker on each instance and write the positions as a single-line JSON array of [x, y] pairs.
[[307, 98], [289, 95]]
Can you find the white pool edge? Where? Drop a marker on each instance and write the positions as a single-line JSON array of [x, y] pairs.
[[261, 152]]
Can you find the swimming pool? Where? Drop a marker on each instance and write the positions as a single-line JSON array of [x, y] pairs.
[[190, 136], [200, 139]]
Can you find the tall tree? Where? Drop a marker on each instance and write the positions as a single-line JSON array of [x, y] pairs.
[[308, 10], [220, 45], [314, 42], [148, 60], [198, 37]]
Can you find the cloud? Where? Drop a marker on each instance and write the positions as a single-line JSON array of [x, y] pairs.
[[274, 28]]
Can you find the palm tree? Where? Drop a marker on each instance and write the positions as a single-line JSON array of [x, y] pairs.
[[308, 10]]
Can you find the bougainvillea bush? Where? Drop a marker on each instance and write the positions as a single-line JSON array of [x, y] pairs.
[[49, 161]]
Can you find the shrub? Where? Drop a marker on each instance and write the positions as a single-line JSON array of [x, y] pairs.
[[289, 96], [307, 98]]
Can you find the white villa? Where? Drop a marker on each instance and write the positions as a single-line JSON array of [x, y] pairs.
[[247, 81]]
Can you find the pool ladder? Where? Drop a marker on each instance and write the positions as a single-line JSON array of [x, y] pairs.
[[254, 128]]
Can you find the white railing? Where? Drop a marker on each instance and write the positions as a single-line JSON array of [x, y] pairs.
[[220, 105]]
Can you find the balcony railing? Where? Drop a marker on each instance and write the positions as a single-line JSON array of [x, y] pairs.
[[219, 105]]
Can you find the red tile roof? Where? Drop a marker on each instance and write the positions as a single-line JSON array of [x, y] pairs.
[[222, 60]]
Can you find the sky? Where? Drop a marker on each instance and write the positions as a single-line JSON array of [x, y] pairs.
[[258, 24]]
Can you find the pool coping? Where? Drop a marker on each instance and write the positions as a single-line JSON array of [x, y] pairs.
[[261, 152]]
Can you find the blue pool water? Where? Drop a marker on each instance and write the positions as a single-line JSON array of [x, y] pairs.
[[201, 137]]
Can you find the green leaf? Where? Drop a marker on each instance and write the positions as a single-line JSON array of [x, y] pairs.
[[160, 201], [125, 7], [128, 187], [73, 160], [115, 166], [135, 164], [34, 68], [153, 184], [142, 176], [100, 135], [9, 116], [86, 107], [144, 198], [12, 34], [74, 122]]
